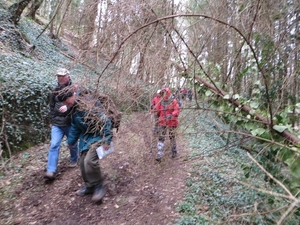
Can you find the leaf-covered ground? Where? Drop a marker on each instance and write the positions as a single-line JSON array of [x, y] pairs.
[[139, 190], [198, 187]]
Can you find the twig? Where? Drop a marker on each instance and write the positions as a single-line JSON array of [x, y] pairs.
[[285, 214], [259, 213], [55, 13], [267, 192], [271, 176], [290, 196]]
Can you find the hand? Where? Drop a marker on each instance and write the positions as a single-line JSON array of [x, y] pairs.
[[63, 108], [106, 147], [169, 117], [69, 146]]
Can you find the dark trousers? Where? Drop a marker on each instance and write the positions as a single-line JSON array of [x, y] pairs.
[[155, 122], [172, 135], [90, 168]]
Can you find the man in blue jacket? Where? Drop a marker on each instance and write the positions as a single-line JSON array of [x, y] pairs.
[[93, 129], [60, 123]]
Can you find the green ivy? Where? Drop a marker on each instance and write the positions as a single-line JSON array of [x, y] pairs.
[[24, 108], [269, 149], [26, 80]]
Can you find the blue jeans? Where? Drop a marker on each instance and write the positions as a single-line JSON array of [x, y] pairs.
[[57, 134]]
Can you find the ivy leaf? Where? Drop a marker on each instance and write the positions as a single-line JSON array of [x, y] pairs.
[[226, 96], [295, 168], [296, 149], [266, 135], [258, 131], [286, 156], [297, 109], [250, 126], [236, 96], [257, 83], [280, 128], [254, 105], [252, 112], [218, 84], [208, 93]]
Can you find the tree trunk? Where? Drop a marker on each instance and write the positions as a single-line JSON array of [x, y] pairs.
[[17, 9], [36, 4]]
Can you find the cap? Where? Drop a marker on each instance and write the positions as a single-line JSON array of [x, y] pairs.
[[62, 72]]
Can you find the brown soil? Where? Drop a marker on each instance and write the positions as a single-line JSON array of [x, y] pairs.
[[139, 190]]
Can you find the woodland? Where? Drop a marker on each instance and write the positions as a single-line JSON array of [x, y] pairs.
[[239, 137]]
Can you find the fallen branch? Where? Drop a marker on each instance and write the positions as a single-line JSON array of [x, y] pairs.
[[286, 134]]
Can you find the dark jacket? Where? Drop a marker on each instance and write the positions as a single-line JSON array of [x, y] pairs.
[[82, 129], [56, 117]]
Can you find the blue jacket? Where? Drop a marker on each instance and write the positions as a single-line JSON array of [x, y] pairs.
[[82, 131]]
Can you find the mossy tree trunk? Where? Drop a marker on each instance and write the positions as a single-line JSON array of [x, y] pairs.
[[17, 9]]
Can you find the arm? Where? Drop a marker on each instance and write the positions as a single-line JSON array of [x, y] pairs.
[[75, 132], [107, 131], [176, 108], [152, 105]]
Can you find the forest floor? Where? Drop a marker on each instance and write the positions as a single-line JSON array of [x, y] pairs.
[[139, 189]]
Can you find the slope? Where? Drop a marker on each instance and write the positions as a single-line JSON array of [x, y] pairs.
[[139, 190]]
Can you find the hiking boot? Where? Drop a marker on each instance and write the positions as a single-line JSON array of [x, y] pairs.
[[158, 159], [99, 193], [72, 164], [159, 156], [174, 154], [85, 191], [49, 175]]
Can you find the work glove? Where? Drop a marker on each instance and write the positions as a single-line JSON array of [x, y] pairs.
[[169, 117]]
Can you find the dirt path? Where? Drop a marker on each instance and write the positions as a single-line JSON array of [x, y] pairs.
[[140, 190]]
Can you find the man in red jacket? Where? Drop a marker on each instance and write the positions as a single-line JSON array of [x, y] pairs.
[[168, 111], [156, 100]]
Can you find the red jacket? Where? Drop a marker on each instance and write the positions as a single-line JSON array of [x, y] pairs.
[[168, 110], [155, 100]]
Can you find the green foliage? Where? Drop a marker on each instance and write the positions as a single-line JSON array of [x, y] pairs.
[[247, 123], [282, 162], [24, 107], [26, 80], [214, 194]]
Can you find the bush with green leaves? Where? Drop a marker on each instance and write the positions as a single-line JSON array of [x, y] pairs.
[[26, 81], [24, 106]]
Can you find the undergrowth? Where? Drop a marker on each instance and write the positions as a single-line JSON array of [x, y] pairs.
[[215, 192]]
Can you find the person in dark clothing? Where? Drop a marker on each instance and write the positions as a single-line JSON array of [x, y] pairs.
[[60, 123], [177, 96], [93, 129], [190, 94]]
